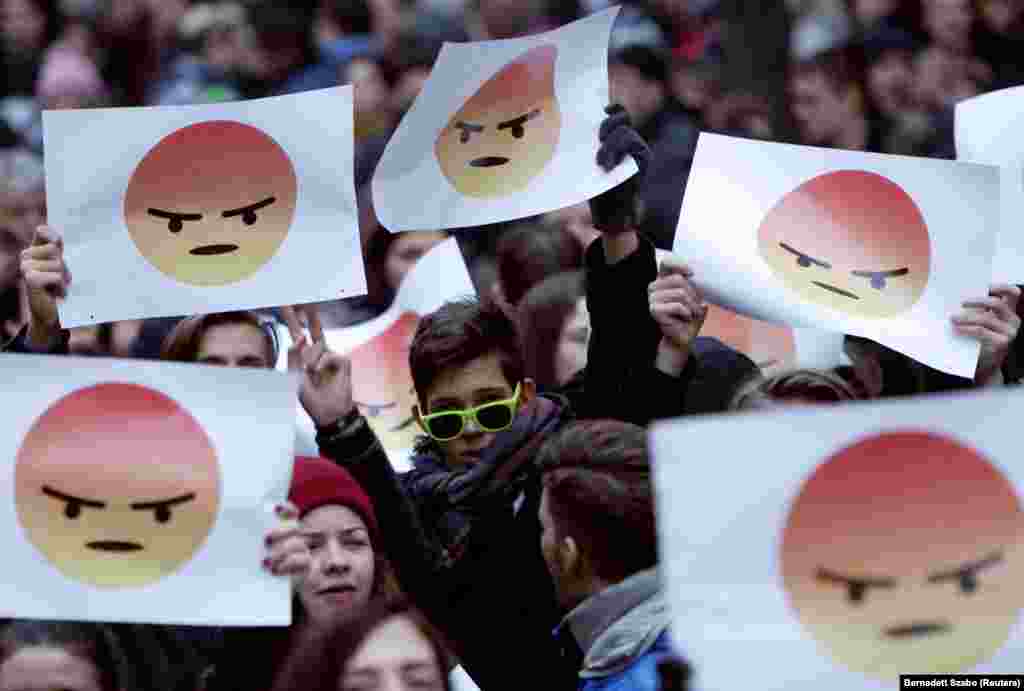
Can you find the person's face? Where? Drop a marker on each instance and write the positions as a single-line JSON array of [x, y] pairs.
[[821, 111], [640, 96], [404, 252], [948, 22], [571, 354], [42, 668], [475, 383], [396, 656], [579, 222], [340, 578], [234, 345], [890, 80], [24, 25]]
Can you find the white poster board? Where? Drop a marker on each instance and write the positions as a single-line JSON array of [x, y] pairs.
[[180, 210], [502, 130], [866, 244], [137, 491], [887, 539]]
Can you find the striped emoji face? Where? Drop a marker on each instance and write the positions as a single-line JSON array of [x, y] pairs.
[[850, 240], [117, 485], [211, 203], [903, 553], [507, 132]]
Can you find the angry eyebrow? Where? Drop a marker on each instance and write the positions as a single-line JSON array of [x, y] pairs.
[[243, 210], [966, 569], [70, 498], [145, 505], [894, 273], [520, 121], [174, 215], [830, 576], [802, 259], [470, 126]]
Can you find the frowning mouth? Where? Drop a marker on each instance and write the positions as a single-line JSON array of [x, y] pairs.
[[488, 161], [114, 546], [837, 291], [207, 250], [930, 628]]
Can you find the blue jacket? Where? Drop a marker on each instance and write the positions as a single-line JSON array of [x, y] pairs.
[[622, 634]]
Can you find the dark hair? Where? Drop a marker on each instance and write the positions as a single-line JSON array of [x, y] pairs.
[[529, 254], [597, 476], [819, 386], [842, 67], [127, 657], [182, 343], [457, 333], [320, 662], [541, 316], [353, 16]]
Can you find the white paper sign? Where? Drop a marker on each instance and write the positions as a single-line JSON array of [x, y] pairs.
[[168, 211], [379, 350], [988, 131], [140, 491], [884, 247], [502, 130], [887, 539]]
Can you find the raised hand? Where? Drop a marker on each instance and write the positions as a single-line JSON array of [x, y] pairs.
[[678, 308], [994, 322], [326, 388], [47, 279], [613, 211]]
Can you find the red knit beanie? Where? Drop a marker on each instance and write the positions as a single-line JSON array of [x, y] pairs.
[[318, 482]]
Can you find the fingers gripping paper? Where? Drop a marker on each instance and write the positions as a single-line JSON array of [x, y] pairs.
[[502, 130], [132, 493], [865, 244], [204, 208], [887, 540]]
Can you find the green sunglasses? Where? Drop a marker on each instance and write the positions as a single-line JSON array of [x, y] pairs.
[[494, 416]]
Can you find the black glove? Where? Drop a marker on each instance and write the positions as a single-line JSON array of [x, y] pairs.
[[615, 209]]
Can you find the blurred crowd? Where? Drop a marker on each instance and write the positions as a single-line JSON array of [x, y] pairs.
[[573, 315]]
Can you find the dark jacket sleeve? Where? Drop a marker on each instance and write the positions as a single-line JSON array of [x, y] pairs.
[[357, 449], [20, 344], [621, 380]]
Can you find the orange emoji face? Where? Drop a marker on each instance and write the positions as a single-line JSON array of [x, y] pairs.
[[902, 553], [117, 485], [849, 240], [507, 132], [211, 203], [382, 383]]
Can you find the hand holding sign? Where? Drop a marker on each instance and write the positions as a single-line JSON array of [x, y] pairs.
[[287, 552], [47, 278], [994, 322], [677, 306], [613, 211]]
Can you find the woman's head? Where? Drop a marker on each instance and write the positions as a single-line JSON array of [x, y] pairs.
[[554, 327], [232, 339], [389, 646], [41, 655], [337, 522]]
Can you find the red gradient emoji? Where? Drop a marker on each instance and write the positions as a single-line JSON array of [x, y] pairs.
[[117, 485], [902, 554], [768, 345], [507, 132], [850, 240], [211, 203], [382, 383]]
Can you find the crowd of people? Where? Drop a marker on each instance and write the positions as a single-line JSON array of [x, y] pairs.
[[528, 515]]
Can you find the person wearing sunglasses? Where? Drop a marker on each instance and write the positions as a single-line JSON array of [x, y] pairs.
[[462, 528]]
